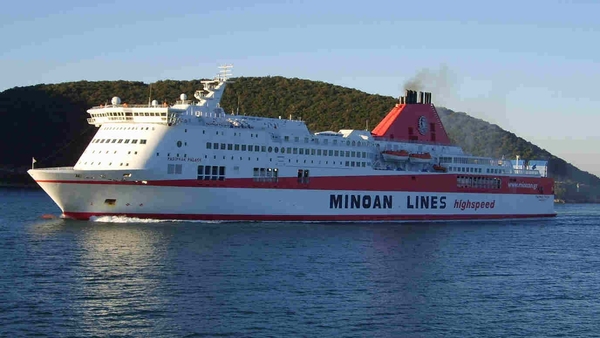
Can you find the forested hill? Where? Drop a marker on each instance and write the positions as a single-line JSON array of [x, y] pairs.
[[49, 121]]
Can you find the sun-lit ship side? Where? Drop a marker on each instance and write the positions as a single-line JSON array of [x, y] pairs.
[[191, 160]]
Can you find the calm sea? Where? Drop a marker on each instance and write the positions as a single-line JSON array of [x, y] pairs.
[[120, 277]]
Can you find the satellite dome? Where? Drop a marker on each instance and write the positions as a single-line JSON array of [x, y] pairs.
[[183, 97], [115, 101], [154, 103]]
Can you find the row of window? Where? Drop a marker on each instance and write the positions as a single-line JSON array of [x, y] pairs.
[[110, 164], [341, 163], [127, 128], [265, 174], [495, 171], [470, 160], [284, 150], [478, 182], [326, 141], [114, 152], [476, 170], [464, 169], [211, 172], [124, 141], [127, 114]]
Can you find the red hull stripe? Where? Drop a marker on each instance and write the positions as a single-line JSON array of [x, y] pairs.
[[440, 183], [303, 218]]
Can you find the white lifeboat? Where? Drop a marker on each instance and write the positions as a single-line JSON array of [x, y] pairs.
[[395, 155], [420, 157]]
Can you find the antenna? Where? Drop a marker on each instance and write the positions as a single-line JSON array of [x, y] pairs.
[[224, 72], [367, 128], [150, 96]]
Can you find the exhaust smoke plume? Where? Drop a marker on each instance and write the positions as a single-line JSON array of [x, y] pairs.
[[439, 82]]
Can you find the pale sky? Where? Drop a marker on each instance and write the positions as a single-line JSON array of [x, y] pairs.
[[532, 67]]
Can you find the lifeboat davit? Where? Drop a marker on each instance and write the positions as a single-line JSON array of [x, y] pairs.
[[420, 158], [395, 155]]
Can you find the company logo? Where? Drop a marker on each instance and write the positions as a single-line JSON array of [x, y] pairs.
[[425, 202], [360, 201], [423, 127], [522, 185]]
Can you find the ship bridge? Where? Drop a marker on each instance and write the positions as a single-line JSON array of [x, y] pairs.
[[206, 106], [124, 113]]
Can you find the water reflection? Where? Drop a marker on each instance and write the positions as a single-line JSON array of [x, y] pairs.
[[119, 279], [101, 275]]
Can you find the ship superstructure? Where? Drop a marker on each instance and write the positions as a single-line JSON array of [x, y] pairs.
[[192, 160]]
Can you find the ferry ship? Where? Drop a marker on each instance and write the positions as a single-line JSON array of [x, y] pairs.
[[194, 161]]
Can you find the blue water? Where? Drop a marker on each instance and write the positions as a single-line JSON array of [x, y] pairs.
[[119, 277]]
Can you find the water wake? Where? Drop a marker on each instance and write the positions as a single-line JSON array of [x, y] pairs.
[[126, 219]]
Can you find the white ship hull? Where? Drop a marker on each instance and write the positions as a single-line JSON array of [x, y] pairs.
[[81, 201]]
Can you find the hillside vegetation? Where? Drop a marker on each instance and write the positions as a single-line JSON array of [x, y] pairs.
[[49, 121]]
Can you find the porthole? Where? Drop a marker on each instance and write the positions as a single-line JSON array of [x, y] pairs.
[[179, 143], [277, 149], [270, 149]]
